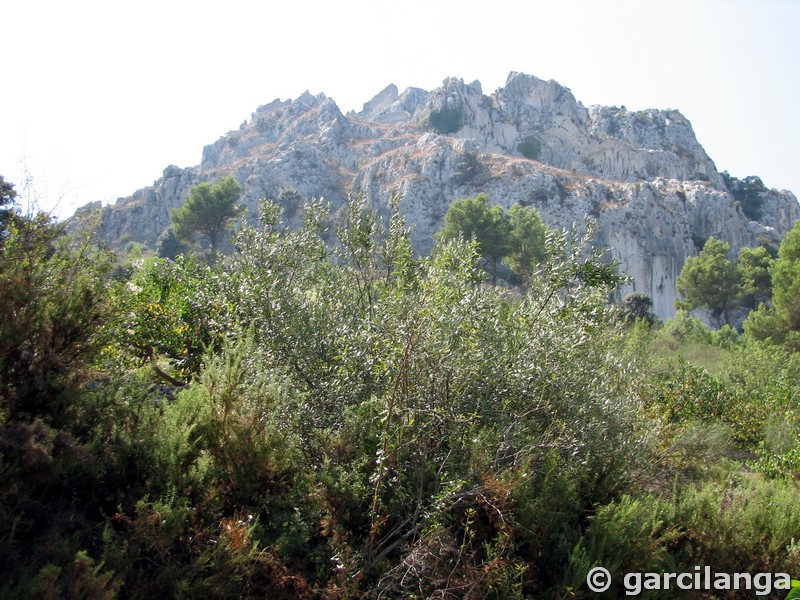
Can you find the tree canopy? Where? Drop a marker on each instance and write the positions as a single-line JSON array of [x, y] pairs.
[[786, 279], [756, 284], [7, 197], [516, 238], [207, 211], [637, 305], [527, 237], [753, 265], [709, 280], [475, 219], [7, 192]]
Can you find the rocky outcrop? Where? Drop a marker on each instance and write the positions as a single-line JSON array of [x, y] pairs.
[[643, 175]]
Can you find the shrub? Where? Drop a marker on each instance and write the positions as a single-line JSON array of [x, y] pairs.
[[637, 305], [530, 147], [747, 193], [51, 308], [740, 524], [170, 313], [446, 120]]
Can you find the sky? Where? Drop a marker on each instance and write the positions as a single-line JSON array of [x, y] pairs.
[[99, 97]]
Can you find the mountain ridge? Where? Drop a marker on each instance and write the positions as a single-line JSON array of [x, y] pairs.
[[643, 175]]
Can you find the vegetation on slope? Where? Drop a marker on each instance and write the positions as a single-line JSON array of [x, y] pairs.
[[297, 420]]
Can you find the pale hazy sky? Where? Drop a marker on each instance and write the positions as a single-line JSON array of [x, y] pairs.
[[99, 96]]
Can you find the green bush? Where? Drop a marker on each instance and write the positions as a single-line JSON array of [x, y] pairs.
[[741, 524], [52, 305], [747, 193], [446, 120], [170, 313], [530, 147]]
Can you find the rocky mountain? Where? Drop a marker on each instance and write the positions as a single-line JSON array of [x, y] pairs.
[[643, 175]]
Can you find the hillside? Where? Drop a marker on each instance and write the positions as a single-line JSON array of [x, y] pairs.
[[643, 175], [324, 414]]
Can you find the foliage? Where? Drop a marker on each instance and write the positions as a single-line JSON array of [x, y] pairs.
[[306, 419], [767, 288], [207, 211], [169, 246], [779, 323], [786, 279], [475, 219], [709, 280], [526, 240], [389, 351], [170, 312], [446, 120], [467, 168], [765, 324], [7, 192], [518, 238], [530, 147], [747, 192], [705, 378], [291, 201], [8, 196], [744, 523], [753, 265], [52, 303], [637, 305]]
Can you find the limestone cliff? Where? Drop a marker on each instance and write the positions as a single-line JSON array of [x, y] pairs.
[[643, 175]]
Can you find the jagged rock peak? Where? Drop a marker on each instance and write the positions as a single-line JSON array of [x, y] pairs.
[[304, 102], [308, 100], [389, 107], [382, 100], [643, 175], [274, 105], [455, 91], [532, 90]]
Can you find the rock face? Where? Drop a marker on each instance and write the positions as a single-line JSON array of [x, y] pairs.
[[643, 175]]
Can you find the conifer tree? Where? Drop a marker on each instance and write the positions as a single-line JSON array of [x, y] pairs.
[[207, 211], [709, 280]]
